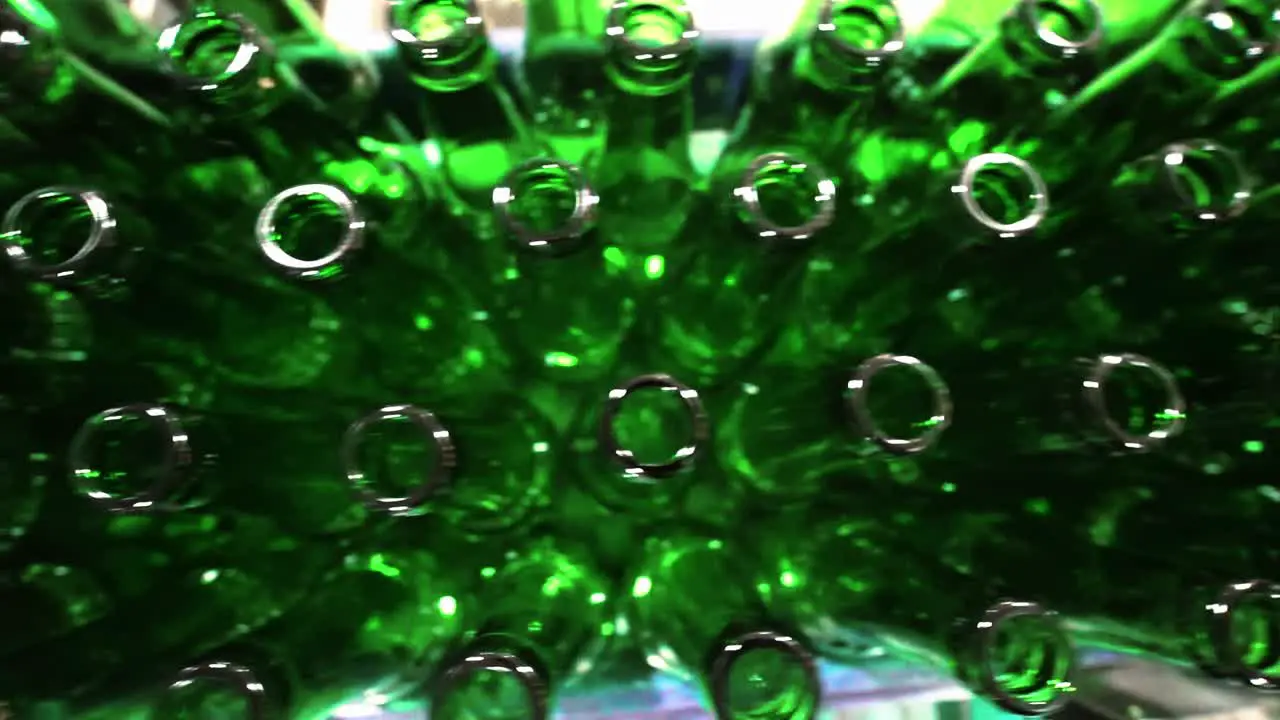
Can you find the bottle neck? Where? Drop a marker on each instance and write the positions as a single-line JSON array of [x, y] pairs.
[[135, 458], [64, 236], [311, 232], [498, 674], [228, 63], [650, 46], [443, 44], [1050, 37], [764, 673], [547, 207], [851, 45], [1187, 185]]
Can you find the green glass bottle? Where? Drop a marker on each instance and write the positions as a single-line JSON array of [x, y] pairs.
[[475, 119], [698, 613], [646, 174], [866, 574], [429, 334], [478, 474], [1211, 42], [796, 433], [547, 210], [735, 280], [815, 88], [543, 616], [997, 93], [639, 445], [563, 67], [242, 98]]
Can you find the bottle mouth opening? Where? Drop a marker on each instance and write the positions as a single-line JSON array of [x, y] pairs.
[[653, 427], [1134, 401], [1060, 29], [1026, 658], [781, 196], [310, 231], [215, 51], [55, 233], [546, 205], [651, 44], [133, 458], [1230, 37], [444, 42], [398, 458], [1206, 182], [488, 684], [1004, 194], [765, 675], [910, 378], [865, 30], [213, 689], [1244, 622]]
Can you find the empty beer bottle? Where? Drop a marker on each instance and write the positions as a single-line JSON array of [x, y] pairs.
[[564, 294], [638, 445], [743, 261], [802, 432], [563, 67], [1212, 41], [646, 175], [697, 611], [480, 474], [428, 334], [864, 573], [1000, 90], [474, 116], [814, 89], [543, 616]]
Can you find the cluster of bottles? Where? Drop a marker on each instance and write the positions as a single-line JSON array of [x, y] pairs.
[[302, 404]]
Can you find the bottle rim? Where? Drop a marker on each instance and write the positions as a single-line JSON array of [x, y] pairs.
[[747, 195], [858, 387], [986, 635], [102, 233], [531, 682], [632, 65], [350, 240], [969, 174], [1227, 653], [556, 240], [454, 62], [251, 59], [1094, 386], [684, 458], [1054, 46], [439, 476], [826, 31], [240, 678], [175, 466], [736, 648], [1238, 198]]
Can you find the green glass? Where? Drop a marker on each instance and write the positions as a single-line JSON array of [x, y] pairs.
[[543, 617], [563, 293], [479, 475], [867, 574], [646, 174], [430, 335], [476, 128], [997, 93], [1235, 113], [698, 614], [736, 278], [49, 600], [563, 68], [1211, 42], [638, 445]]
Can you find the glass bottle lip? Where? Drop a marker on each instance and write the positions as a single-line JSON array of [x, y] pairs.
[[747, 195], [439, 476], [245, 72], [239, 678], [350, 240], [449, 63], [720, 670], [684, 458], [1051, 45], [1238, 198], [825, 31], [568, 236], [627, 59], [1094, 385], [858, 387], [175, 466], [963, 189], [1210, 24], [1227, 657], [985, 633], [536, 692], [101, 237]]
